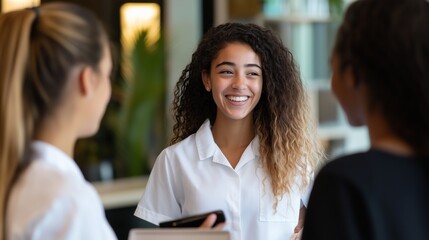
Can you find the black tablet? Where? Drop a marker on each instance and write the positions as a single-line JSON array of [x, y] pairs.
[[193, 221]]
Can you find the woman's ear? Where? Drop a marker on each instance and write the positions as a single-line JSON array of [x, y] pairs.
[[350, 78], [86, 85], [206, 80]]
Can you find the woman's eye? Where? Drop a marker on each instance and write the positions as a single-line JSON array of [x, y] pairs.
[[225, 72], [253, 74]]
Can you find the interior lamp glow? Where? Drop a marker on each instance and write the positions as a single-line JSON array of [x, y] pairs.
[[10, 5], [137, 17]]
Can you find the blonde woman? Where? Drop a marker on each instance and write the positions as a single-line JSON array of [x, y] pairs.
[[54, 87], [242, 138]]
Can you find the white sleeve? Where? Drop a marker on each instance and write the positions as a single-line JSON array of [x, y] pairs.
[[79, 215], [305, 195], [160, 198]]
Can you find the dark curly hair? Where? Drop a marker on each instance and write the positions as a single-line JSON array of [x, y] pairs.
[[281, 117], [386, 43]]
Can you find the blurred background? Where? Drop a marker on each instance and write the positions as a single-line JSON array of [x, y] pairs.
[[153, 42]]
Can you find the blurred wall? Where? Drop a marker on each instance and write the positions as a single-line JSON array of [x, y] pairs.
[[183, 29]]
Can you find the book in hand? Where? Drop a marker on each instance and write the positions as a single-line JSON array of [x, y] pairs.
[[193, 221]]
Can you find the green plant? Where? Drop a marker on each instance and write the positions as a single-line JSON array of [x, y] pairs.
[[336, 8], [141, 132]]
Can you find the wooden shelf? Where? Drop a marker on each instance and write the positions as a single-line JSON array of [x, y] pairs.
[[121, 192]]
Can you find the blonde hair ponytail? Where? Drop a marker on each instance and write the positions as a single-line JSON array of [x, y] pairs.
[[14, 49], [38, 48]]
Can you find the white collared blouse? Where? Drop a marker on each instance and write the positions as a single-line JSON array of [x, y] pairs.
[[193, 176], [52, 200]]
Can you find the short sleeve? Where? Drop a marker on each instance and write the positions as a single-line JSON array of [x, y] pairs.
[[159, 201], [305, 194]]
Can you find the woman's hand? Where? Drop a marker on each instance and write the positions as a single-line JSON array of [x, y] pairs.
[[297, 235], [298, 229], [210, 220]]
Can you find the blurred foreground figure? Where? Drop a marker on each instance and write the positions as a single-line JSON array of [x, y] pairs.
[[54, 87], [380, 76]]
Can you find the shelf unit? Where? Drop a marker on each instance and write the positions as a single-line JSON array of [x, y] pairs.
[[121, 193], [310, 39]]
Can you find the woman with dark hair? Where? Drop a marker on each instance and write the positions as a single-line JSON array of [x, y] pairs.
[[380, 76], [54, 87], [242, 143]]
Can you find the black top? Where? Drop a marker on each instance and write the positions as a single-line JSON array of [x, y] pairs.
[[372, 195]]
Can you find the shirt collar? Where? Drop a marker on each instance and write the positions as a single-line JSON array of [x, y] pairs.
[[207, 147], [55, 157]]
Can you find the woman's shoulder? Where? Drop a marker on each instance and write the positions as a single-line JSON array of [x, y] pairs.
[[51, 191], [46, 184], [184, 143], [351, 168], [344, 162], [191, 144], [363, 168], [196, 146], [363, 161], [185, 146]]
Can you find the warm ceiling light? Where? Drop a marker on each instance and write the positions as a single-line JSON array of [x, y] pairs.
[[138, 17], [10, 5]]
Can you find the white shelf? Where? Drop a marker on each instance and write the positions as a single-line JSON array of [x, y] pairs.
[[333, 131], [297, 19], [309, 38], [317, 84], [121, 192]]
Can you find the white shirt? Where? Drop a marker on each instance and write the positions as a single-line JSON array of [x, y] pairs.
[[193, 176], [52, 200]]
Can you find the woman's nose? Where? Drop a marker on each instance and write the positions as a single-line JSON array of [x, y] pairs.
[[239, 82]]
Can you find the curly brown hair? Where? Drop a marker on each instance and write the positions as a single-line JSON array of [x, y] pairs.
[[288, 143]]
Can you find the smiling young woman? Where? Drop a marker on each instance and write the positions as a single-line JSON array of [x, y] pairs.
[[235, 80], [242, 143]]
